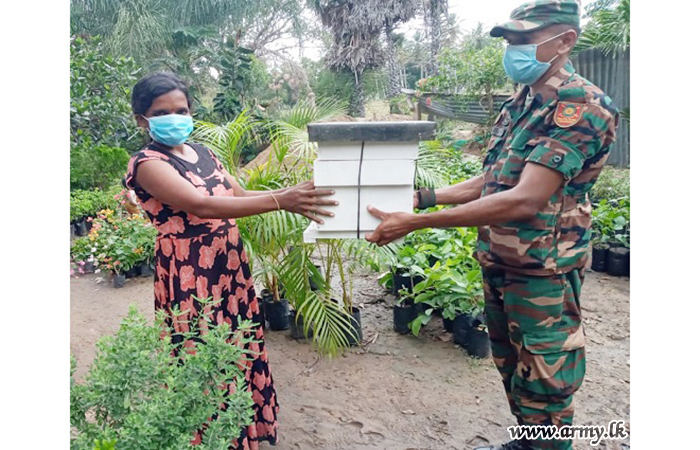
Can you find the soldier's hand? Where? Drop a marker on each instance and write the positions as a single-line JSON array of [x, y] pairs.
[[393, 226]]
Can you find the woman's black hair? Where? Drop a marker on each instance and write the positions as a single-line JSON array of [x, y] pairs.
[[153, 86]]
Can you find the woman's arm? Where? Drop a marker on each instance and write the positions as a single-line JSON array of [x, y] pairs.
[[163, 182], [240, 192]]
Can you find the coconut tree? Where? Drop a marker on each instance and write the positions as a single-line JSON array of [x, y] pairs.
[[433, 12]]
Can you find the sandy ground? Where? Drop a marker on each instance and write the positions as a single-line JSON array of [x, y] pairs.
[[401, 392]]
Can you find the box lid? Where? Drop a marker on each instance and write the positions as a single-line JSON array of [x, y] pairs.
[[371, 131]]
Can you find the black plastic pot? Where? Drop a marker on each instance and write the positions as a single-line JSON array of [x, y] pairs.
[[89, 267], [448, 324], [460, 327], [478, 343], [145, 270], [131, 273], [403, 315], [403, 281], [432, 260], [355, 337], [266, 295], [600, 259], [311, 282], [297, 326], [261, 306], [80, 228], [278, 315], [119, 280], [618, 262]]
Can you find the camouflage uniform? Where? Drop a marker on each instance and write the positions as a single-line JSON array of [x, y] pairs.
[[533, 269]]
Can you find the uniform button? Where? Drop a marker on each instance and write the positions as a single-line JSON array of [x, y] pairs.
[[556, 158]]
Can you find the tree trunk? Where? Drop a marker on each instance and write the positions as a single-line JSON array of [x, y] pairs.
[[357, 100], [434, 36], [394, 84]]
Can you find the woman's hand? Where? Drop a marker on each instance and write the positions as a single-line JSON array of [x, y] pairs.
[[306, 200]]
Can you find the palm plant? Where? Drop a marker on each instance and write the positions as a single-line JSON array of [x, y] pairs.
[[227, 141], [288, 132]]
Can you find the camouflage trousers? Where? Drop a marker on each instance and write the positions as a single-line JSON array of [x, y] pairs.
[[537, 342]]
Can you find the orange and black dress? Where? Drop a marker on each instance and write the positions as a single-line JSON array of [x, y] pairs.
[[205, 258]]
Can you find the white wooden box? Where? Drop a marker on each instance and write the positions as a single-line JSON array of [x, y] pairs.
[[366, 163]]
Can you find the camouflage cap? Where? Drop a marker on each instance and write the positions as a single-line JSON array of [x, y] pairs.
[[538, 14]]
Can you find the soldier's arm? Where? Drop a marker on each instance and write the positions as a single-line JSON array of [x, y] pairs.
[[460, 193], [556, 158]]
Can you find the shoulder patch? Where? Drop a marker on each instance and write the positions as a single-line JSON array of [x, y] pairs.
[[568, 114]]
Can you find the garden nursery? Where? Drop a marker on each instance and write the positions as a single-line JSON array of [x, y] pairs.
[[369, 347]]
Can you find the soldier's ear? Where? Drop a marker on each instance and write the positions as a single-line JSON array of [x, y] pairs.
[[569, 40]]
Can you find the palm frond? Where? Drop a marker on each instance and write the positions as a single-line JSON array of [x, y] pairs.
[[432, 165], [227, 141]]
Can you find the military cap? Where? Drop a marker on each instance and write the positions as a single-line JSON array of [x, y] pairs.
[[538, 14]]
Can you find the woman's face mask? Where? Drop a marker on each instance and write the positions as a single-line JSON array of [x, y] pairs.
[[521, 64], [171, 129]]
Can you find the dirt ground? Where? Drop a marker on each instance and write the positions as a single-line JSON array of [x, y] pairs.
[[401, 392]]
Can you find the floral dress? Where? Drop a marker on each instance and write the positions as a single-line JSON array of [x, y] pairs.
[[205, 258]]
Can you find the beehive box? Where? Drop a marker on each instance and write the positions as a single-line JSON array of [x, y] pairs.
[[366, 163]]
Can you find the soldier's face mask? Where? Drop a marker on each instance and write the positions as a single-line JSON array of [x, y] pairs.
[[521, 63]]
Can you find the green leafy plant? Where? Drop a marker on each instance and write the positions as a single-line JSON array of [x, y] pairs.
[[236, 63], [452, 280], [611, 222], [146, 392], [612, 184], [86, 203], [117, 242], [100, 86]]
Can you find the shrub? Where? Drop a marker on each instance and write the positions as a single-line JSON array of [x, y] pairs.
[[96, 165], [84, 203], [612, 184], [144, 393]]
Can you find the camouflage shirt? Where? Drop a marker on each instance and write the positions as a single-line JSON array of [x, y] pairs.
[[569, 127]]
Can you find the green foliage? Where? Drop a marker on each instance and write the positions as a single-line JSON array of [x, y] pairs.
[[236, 64], [611, 222], [101, 123], [229, 140], [100, 90], [608, 28], [470, 70], [612, 184], [139, 396], [96, 165], [117, 242], [452, 280], [84, 203]]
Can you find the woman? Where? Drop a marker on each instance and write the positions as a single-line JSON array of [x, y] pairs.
[[193, 201]]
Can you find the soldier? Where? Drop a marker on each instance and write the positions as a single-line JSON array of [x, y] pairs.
[[531, 205]]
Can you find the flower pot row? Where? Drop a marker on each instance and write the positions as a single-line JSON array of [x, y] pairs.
[[468, 331], [280, 317], [142, 270], [613, 260]]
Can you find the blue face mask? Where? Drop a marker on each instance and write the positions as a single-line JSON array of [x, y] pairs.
[[521, 64], [171, 130]]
